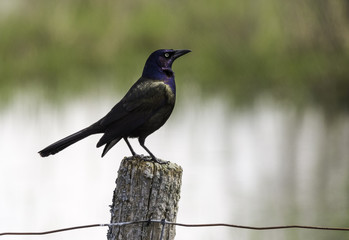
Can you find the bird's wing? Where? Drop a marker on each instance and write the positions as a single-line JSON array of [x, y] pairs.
[[140, 103]]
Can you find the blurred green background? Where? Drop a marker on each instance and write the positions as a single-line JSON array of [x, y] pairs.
[[296, 51]]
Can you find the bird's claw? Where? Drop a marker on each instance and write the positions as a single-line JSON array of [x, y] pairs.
[[150, 159], [154, 159], [159, 161]]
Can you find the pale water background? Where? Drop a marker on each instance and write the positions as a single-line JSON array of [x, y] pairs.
[[269, 164]]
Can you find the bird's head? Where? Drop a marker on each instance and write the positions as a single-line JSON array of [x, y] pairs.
[[159, 63]]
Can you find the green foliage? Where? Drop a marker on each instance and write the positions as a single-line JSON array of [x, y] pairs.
[[294, 50]]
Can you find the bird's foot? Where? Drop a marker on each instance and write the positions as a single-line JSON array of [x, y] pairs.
[[149, 159], [154, 159], [159, 161], [136, 156]]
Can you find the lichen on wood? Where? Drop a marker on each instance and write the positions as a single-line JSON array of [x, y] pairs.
[[145, 190]]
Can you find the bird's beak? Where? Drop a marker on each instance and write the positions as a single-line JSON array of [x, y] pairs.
[[179, 53]]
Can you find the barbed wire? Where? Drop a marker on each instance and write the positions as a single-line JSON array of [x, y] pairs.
[[164, 222]]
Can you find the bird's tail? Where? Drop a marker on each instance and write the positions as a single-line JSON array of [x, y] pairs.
[[71, 139]]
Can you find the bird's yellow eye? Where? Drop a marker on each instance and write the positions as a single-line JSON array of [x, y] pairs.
[[167, 55]]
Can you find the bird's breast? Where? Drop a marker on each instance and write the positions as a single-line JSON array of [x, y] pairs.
[[170, 82], [167, 88]]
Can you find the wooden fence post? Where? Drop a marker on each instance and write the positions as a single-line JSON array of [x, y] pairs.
[[145, 190]]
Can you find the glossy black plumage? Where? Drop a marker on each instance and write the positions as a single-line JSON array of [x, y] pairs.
[[144, 109]]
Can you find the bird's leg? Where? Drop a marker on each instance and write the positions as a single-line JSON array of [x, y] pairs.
[[141, 142], [130, 147]]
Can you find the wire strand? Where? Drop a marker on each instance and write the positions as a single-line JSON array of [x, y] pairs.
[[258, 228], [164, 222]]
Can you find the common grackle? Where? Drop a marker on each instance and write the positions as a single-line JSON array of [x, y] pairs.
[[144, 109]]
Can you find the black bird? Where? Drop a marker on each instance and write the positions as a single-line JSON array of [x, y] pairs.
[[144, 109]]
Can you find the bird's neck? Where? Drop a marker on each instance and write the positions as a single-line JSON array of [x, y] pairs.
[[153, 71], [171, 82], [163, 74]]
